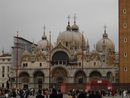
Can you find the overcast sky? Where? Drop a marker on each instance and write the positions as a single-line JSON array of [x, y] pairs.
[[29, 16]]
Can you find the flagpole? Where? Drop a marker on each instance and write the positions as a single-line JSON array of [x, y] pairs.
[[17, 62], [82, 58], [49, 57]]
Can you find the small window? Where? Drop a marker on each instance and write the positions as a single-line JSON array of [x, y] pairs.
[[23, 64], [103, 61], [124, 25], [40, 64], [125, 40], [26, 64], [67, 44], [8, 68], [79, 63], [3, 75], [94, 63], [125, 68], [125, 54], [3, 85], [3, 69], [124, 11]]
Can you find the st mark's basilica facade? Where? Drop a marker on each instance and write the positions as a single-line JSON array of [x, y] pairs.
[[68, 62]]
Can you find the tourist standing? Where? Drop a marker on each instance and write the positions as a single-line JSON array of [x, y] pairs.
[[53, 94], [13, 93], [59, 95], [125, 94], [40, 94]]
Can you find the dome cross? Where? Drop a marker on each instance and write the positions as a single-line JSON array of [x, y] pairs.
[[68, 19], [105, 27], [75, 18], [105, 33], [44, 29]]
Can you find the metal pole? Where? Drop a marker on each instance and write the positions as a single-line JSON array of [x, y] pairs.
[[49, 58], [17, 62], [82, 59]]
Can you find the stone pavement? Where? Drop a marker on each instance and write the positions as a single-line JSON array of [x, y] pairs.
[[65, 96]]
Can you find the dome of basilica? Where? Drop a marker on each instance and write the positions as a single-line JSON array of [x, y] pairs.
[[26, 53], [75, 27], [71, 39], [105, 43], [43, 44]]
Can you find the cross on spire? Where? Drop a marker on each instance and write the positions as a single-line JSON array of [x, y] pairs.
[[75, 18], [68, 19], [44, 36], [17, 33], [44, 29], [105, 27], [105, 33]]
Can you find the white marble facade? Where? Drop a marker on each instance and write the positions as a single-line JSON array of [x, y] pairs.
[[68, 61]]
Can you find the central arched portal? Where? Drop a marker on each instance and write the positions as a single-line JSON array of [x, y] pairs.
[[58, 76], [38, 79], [60, 57]]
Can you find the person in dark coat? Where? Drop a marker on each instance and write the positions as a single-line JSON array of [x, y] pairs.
[[82, 95], [98, 95], [59, 95], [40, 94], [13, 93], [92, 95], [53, 94]]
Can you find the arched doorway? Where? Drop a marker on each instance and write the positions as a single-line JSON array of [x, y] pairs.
[[97, 81], [58, 76], [80, 77], [95, 75], [38, 79], [100, 84], [24, 79], [109, 76], [60, 57]]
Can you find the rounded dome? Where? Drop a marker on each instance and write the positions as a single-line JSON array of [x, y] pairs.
[[75, 27], [71, 38], [43, 44], [26, 53], [105, 43]]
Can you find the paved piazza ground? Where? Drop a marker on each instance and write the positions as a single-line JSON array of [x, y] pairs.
[[65, 96]]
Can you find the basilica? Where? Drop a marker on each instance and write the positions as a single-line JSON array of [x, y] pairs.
[[67, 63]]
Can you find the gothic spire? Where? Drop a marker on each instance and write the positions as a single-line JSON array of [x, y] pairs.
[[105, 33], [44, 36], [68, 28]]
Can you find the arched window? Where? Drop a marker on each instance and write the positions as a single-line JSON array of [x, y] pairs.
[[60, 57]]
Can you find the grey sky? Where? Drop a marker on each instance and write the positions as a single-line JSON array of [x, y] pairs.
[[29, 16]]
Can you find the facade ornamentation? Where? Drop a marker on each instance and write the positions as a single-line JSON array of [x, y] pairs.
[[69, 61]]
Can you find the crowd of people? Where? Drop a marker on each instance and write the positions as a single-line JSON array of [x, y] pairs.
[[53, 93]]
